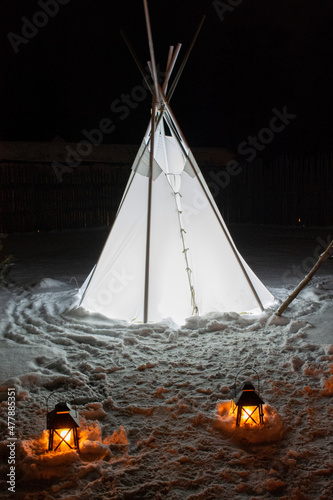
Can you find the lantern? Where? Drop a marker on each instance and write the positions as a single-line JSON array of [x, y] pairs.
[[62, 424], [248, 404]]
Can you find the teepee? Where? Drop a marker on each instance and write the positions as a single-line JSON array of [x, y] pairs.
[[169, 253]]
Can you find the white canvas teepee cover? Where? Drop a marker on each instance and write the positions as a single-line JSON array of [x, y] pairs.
[[169, 253], [194, 266]]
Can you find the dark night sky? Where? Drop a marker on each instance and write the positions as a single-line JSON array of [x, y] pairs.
[[265, 54]]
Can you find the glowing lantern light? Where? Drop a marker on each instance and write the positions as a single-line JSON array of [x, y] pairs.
[[248, 404], [62, 424]]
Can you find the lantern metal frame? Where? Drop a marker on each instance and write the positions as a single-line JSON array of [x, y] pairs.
[[62, 417], [248, 397]]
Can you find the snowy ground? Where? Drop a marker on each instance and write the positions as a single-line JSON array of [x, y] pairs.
[[148, 394]]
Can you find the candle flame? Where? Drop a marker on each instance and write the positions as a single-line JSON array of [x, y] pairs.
[[66, 434]]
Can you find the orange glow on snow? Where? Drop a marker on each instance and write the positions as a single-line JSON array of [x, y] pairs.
[[44, 439]]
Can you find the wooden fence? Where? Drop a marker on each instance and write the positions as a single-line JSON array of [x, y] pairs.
[[288, 189], [285, 190], [33, 199]]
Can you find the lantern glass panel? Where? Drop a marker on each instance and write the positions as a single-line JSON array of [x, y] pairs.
[[250, 415], [63, 439]]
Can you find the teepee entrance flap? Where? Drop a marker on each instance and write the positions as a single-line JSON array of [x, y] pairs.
[[141, 164]]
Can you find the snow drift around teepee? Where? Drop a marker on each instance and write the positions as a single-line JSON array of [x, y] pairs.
[[169, 253]]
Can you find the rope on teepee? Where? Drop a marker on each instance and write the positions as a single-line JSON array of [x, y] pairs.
[[187, 269], [170, 176], [195, 309]]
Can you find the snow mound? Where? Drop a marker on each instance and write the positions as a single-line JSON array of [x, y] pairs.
[[51, 283], [270, 431]]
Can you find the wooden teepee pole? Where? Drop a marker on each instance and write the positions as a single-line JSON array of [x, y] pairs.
[[150, 188], [151, 50], [323, 257], [170, 65]]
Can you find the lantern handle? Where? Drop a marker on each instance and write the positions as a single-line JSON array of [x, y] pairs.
[[52, 392], [48, 397], [240, 371]]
